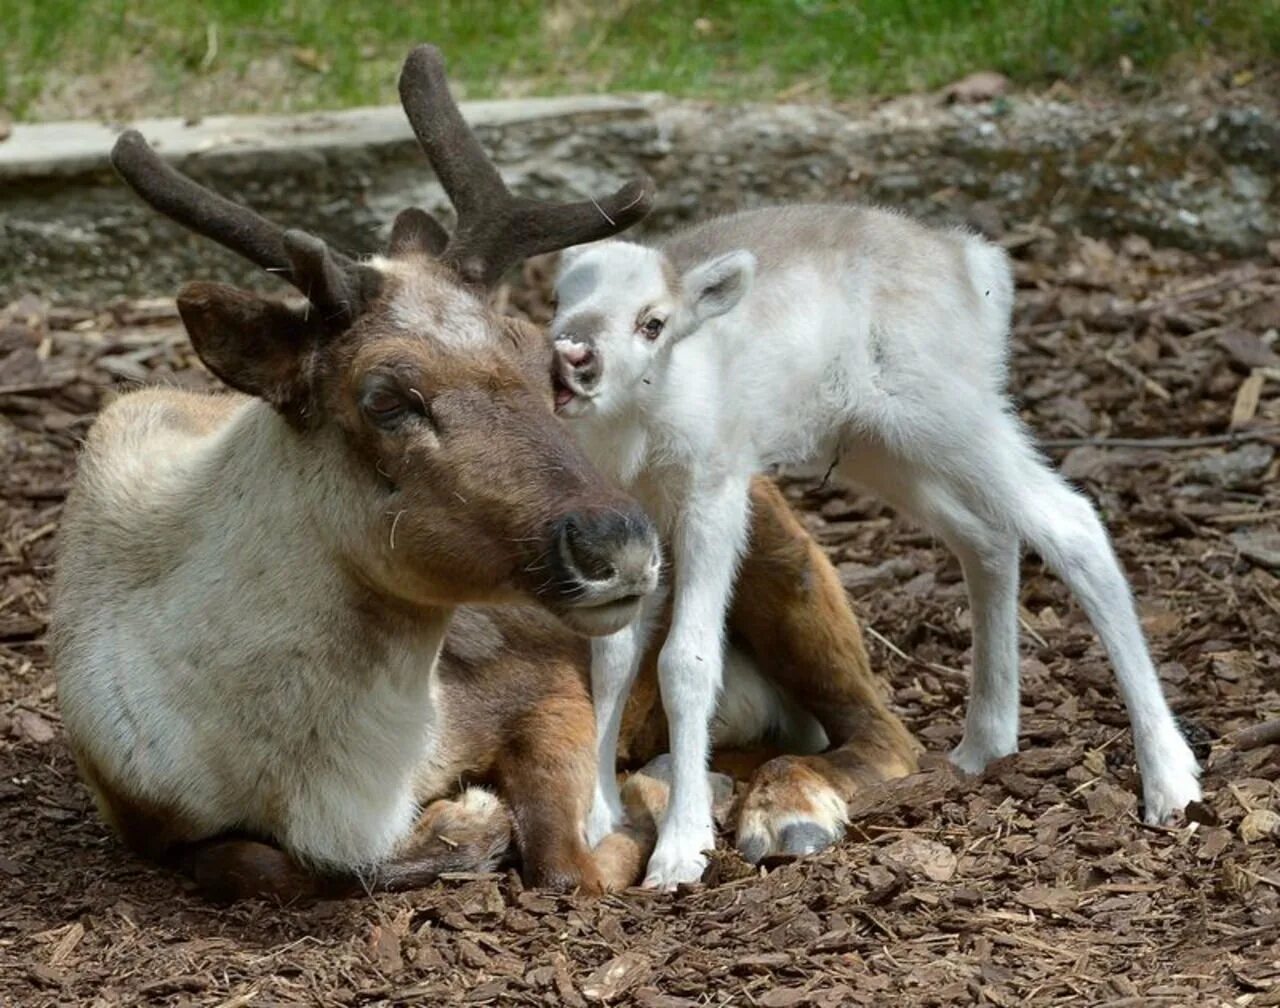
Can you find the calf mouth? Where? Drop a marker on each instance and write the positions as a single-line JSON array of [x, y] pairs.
[[571, 398]]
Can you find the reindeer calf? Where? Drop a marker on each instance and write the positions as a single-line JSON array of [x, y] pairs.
[[858, 341]]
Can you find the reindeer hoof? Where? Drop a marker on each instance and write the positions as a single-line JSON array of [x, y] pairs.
[[790, 810]]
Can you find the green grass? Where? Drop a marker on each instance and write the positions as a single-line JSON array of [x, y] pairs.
[[126, 57]]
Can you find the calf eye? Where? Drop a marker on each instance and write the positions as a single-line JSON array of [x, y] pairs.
[[652, 327]]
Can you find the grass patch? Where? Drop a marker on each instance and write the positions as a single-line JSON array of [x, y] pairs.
[[119, 58]]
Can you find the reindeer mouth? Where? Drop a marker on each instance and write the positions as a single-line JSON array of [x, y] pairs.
[[604, 618]]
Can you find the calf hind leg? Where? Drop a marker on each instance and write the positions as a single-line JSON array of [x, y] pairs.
[[985, 541], [1065, 530], [983, 507]]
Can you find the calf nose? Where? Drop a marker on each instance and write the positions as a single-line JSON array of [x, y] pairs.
[[577, 354]]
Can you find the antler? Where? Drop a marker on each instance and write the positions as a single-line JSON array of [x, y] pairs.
[[496, 228], [337, 285]]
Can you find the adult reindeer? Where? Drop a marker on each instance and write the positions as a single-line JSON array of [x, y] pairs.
[[253, 589]]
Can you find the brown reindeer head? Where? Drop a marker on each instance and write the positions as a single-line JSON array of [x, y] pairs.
[[443, 408]]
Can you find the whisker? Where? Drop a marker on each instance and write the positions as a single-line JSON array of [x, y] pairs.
[[394, 522]]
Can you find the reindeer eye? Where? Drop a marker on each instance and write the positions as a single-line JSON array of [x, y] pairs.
[[652, 327], [384, 407]]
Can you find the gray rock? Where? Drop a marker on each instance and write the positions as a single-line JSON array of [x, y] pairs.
[[1262, 546], [1235, 468], [68, 227]]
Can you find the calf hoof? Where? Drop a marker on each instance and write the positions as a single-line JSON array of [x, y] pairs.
[[973, 757], [1172, 785], [681, 861], [790, 810]]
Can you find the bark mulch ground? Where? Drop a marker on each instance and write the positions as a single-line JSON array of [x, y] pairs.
[[1151, 375]]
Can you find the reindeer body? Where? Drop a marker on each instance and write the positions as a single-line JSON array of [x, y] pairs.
[[253, 592], [241, 675], [844, 340], [766, 384], [222, 671]]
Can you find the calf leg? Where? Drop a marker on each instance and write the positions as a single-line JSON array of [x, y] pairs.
[[1064, 529], [791, 613], [615, 660], [993, 493], [707, 544]]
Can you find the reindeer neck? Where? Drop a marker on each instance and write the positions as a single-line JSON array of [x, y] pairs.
[[294, 513]]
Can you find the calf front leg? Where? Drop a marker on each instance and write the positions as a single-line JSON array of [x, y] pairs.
[[707, 544], [614, 662]]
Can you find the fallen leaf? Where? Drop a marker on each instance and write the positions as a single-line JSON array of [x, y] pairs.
[[1247, 350], [1213, 841], [929, 858], [1049, 899], [617, 976], [977, 87], [31, 726], [1245, 407], [1259, 824], [1262, 546], [384, 949], [66, 944], [311, 59]]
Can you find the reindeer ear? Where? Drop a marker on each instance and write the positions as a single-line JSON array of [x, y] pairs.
[[715, 286], [254, 344], [415, 230]]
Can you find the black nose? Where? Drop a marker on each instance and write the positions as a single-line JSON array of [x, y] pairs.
[[618, 547]]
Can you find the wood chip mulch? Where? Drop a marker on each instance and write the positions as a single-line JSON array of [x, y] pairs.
[[1154, 378]]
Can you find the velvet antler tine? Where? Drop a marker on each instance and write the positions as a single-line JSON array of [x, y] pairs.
[[335, 283], [193, 206], [546, 227], [465, 171], [332, 289], [496, 229]]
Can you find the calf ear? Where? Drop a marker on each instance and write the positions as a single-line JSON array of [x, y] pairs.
[[713, 287], [254, 344]]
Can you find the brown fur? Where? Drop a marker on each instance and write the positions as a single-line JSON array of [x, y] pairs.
[[518, 716], [791, 613], [403, 460]]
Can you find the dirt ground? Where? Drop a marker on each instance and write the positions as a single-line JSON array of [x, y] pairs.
[[1034, 885]]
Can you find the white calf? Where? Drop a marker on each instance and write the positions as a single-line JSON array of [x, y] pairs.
[[856, 341]]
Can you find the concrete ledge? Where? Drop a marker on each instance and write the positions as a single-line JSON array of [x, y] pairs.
[[1201, 178], [36, 150]]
